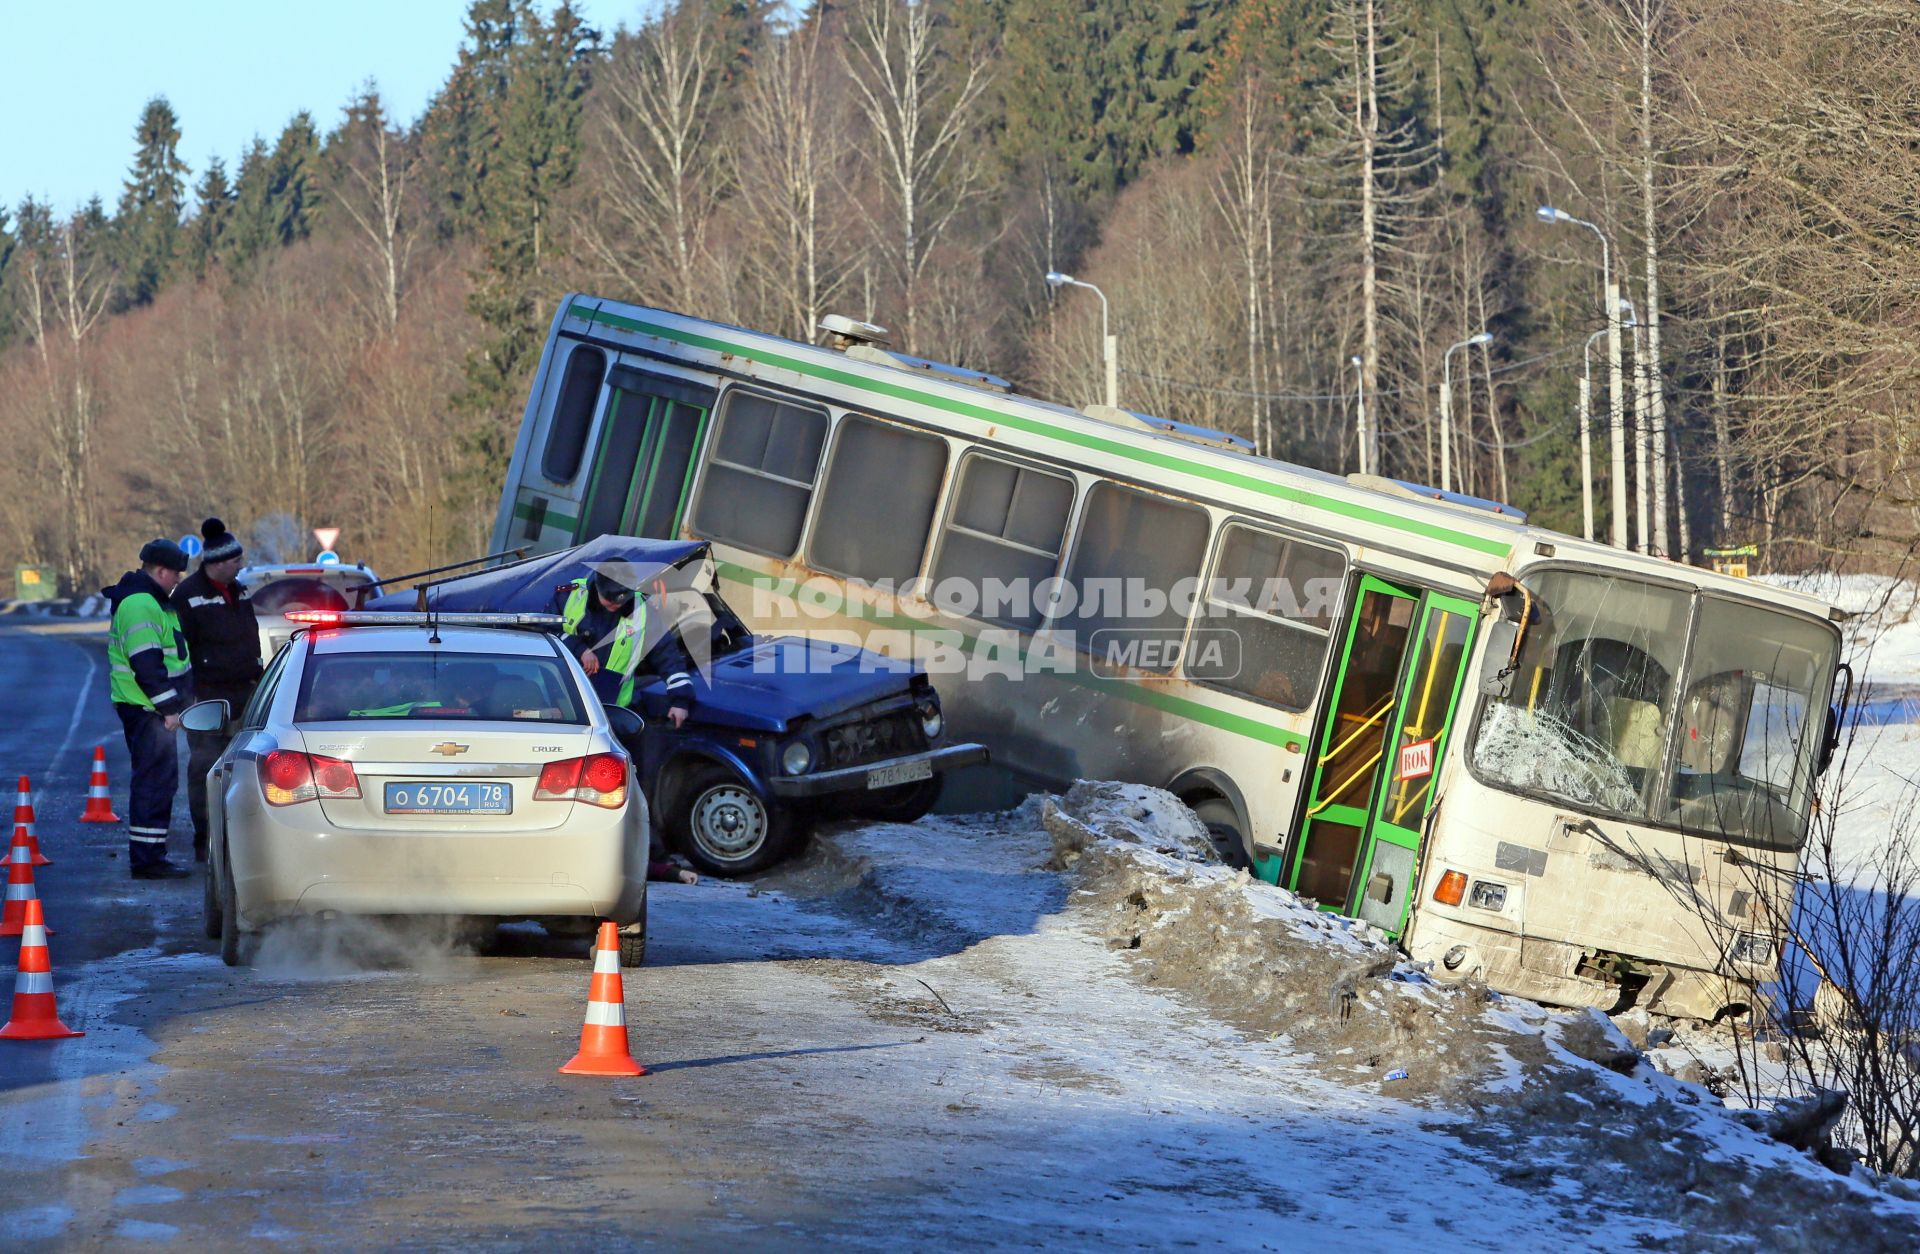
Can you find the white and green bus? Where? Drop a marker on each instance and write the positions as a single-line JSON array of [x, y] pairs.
[[1577, 773]]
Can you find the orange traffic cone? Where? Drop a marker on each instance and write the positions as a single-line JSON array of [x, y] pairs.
[[20, 893], [99, 804], [23, 817], [603, 1041], [35, 1017]]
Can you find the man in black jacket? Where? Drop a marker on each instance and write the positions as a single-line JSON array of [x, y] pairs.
[[216, 616]]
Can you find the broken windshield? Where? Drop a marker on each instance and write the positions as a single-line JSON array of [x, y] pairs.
[[1598, 715]]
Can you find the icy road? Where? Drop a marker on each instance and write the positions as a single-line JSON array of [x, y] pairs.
[[920, 1037]]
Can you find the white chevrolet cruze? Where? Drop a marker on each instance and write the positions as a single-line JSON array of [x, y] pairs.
[[392, 765]]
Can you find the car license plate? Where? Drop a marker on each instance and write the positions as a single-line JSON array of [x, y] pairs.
[[899, 773], [421, 797]]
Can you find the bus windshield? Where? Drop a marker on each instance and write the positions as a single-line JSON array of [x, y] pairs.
[[1601, 717]]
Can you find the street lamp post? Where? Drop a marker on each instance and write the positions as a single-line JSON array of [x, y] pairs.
[[1446, 407], [1617, 433], [1586, 434], [1110, 343], [1367, 460]]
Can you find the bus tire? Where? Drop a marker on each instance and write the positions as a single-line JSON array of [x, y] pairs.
[[1223, 824], [726, 828]]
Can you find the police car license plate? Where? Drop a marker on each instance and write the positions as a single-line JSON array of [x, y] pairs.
[[899, 773], [421, 797]]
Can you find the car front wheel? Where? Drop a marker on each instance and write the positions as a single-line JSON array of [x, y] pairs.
[[725, 828]]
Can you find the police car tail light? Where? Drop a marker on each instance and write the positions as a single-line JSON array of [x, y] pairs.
[[598, 780], [288, 777]]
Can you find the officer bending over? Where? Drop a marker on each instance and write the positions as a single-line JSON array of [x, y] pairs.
[[223, 637], [605, 625], [149, 680]]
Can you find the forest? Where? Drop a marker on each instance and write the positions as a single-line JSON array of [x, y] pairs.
[[1304, 217]]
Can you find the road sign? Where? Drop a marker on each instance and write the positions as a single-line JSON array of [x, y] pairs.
[[326, 536], [191, 546], [35, 583], [328, 557]]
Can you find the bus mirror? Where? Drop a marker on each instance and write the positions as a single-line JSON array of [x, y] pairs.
[[1496, 666]]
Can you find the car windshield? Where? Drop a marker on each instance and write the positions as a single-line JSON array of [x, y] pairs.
[[433, 687], [1600, 716]]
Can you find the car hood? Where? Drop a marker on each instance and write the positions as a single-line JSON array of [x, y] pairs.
[[770, 684]]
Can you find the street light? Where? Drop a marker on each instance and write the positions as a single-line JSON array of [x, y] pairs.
[[1446, 407], [1617, 434], [1110, 344], [1360, 416]]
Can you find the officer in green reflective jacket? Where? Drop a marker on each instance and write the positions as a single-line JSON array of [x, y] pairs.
[[150, 679], [605, 625]]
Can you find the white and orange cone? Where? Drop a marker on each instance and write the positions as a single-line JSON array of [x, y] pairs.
[[99, 801], [23, 817], [20, 891], [603, 1040], [35, 1017]]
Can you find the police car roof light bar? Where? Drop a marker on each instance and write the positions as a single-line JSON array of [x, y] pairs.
[[402, 618]]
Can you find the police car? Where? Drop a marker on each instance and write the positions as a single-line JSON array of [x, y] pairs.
[[411, 764]]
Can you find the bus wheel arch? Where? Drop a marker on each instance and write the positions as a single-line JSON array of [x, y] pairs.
[[1218, 803]]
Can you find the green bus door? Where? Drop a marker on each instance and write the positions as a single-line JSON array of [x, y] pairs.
[[1381, 745], [643, 464]]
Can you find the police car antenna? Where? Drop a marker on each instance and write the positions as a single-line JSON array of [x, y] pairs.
[[426, 598]]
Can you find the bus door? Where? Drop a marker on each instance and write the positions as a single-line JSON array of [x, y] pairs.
[[1391, 704], [643, 464]]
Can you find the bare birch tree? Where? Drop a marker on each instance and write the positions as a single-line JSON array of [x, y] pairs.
[[372, 168]]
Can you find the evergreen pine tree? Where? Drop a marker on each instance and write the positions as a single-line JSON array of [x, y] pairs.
[[213, 208], [250, 219], [462, 127], [151, 204], [293, 187]]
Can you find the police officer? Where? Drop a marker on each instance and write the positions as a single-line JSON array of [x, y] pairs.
[[605, 626], [223, 637], [150, 682]]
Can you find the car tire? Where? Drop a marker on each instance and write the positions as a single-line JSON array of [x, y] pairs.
[[633, 943], [726, 828], [236, 946], [902, 803]]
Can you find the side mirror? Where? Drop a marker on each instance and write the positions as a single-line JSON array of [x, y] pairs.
[[206, 716], [625, 723], [1496, 674]]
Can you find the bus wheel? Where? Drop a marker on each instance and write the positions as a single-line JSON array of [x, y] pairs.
[[725, 828], [1224, 826], [902, 803]]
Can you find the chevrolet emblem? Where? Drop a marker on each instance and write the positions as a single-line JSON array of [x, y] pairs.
[[448, 749]]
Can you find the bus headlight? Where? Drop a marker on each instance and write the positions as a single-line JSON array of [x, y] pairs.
[[1752, 949], [1488, 895], [930, 721], [796, 758]]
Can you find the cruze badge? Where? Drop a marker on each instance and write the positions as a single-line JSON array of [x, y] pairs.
[[449, 749]]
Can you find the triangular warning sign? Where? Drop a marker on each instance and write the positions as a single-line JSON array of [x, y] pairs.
[[326, 536]]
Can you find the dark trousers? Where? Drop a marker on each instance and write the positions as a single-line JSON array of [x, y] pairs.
[[156, 775], [203, 750]]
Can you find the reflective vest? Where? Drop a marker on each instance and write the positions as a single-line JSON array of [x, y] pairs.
[[142, 622], [623, 657]]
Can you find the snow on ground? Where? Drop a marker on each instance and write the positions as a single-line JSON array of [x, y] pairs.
[[1156, 980]]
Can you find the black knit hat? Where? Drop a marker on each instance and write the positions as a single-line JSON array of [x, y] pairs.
[[163, 553], [220, 542]]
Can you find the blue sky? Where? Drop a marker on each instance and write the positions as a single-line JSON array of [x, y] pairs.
[[74, 76]]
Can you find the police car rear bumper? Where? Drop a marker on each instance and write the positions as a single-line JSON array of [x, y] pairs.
[[855, 778]]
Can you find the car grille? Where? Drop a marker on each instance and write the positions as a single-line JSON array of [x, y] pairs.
[[874, 740]]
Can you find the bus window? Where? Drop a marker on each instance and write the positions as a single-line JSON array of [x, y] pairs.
[[573, 414], [877, 507], [1585, 721], [1007, 524], [1277, 595], [1135, 552], [1743, 765], [760, 473]]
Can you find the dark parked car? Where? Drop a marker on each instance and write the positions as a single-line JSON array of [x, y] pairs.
[[785, 731]]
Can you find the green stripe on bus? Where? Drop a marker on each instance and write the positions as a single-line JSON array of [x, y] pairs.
[[553, 518], [1126, 690], [1151, 457]]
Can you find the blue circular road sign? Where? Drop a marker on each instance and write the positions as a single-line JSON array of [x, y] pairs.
[[328, 558], [191, 546]]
